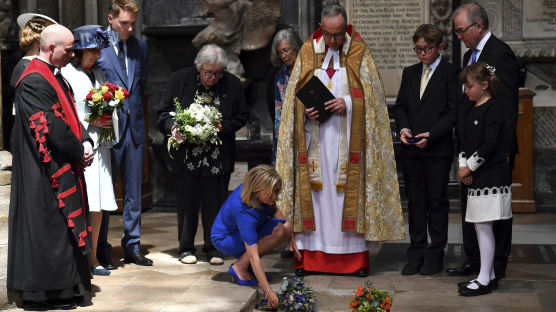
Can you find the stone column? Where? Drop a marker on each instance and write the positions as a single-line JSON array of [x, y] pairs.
[[5, 188]]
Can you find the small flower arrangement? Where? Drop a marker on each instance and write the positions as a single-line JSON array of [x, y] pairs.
[[197, 123], [370, 299], [293, 295], [102, 102]]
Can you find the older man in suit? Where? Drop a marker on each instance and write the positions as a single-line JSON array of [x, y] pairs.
[[471, 26], [124, 62], [426, 111]]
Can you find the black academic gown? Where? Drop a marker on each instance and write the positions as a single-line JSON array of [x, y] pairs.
[[49, 237]]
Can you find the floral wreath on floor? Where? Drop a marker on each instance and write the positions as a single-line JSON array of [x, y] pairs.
[[293, 295], [370, 299]]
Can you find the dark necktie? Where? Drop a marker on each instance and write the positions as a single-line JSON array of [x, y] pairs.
[[121, 56]]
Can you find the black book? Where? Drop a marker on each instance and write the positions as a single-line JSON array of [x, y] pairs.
[[314, 94]]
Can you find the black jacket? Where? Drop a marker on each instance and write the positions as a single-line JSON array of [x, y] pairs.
[[435, 112], [182, 85]]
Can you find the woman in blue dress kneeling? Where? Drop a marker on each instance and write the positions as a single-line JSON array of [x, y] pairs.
[[249, 225]]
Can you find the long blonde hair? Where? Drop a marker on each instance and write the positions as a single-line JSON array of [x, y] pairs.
[[256, 180]]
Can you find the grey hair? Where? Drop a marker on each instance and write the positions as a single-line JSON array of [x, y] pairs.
[[333, 11], [211, 54], [290, 37], [475, 13]]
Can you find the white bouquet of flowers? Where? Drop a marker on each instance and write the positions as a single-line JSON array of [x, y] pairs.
[[197, 123]]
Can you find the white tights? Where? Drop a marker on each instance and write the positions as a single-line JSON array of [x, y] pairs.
[[485, 236]]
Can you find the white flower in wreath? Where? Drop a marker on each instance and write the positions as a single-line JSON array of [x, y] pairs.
[[215, 170], [190, 166]]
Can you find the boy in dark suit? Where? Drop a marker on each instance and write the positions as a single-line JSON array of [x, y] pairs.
[[426, 111]]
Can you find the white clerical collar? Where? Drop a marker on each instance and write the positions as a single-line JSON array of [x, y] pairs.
[[331, 54]]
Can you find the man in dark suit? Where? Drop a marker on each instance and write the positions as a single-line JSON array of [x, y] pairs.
[[125, 63], [426, 111], [471, 26]]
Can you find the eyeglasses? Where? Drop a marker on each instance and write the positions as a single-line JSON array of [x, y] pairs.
[[284, 51], [420, 50], [211, 74], [461, 31], [339, 35]]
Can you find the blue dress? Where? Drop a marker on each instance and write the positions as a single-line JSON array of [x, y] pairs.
[[237, 224]]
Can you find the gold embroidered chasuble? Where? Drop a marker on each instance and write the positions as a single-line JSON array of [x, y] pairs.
[[369, 179]]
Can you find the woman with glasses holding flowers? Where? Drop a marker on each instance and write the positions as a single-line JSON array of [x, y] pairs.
[[82, 75], [201, 172]]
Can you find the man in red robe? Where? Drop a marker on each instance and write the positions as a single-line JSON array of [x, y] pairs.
[[48, 222]]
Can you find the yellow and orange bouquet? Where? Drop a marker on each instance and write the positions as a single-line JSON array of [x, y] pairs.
[[370, 299], [102, 102]]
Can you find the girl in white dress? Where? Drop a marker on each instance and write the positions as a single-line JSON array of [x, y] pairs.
[[484, 168]]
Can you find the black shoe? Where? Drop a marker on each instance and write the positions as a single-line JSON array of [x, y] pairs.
[[464, 270], [429, 268], [286, 254], [482, 290], [61, 304], [411, 268], [137, 258], [361, 273], [108, 265], [493, 284]]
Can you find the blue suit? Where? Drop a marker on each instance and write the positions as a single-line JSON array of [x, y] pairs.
[[128, 152]]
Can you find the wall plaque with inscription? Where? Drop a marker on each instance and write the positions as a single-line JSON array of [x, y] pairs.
[[539, 19], [387, 26]]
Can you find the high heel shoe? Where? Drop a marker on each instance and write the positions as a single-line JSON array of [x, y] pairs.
[[239, 281]]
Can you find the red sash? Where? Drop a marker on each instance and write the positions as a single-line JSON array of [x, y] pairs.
[[68, 107]]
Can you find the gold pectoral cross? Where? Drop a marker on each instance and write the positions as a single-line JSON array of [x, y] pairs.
[[314, 165]]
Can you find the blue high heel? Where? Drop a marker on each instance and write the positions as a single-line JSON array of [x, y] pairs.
[[239, 281]]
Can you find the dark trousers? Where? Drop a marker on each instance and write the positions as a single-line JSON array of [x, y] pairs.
[[502, 234], [196, 193], [426, 182], [127, 160]]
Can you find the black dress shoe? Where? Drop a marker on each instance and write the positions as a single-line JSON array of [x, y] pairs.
[[464, 270], [411, 268], [137, 258], [108, 265], [482, 290], [493, 284], [361, 273], [61, 304]]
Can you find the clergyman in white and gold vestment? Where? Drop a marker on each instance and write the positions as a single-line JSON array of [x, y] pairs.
[[340, 186]]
